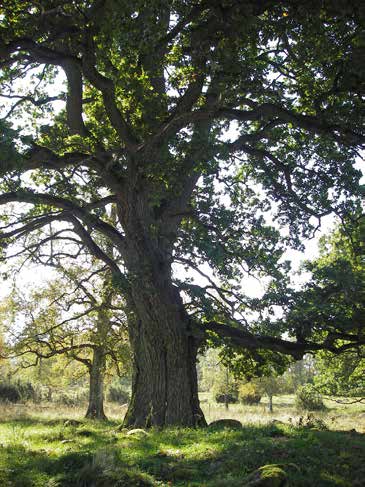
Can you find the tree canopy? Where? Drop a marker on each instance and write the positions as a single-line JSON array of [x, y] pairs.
[[78, 315], [221, 133], [334, 301], [331, 303]]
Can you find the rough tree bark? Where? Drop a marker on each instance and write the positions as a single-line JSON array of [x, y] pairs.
[[165, 389], [165, 386], [95, 408]]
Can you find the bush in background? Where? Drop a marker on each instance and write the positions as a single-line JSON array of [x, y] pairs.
[[225, 393], [226, 398], [71, 397], [116, 393], [309, 399], [249, 393], [17, 392], [9, 392]]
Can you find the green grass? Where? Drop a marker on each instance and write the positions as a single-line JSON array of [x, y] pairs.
[[38, 450], [338, 416]]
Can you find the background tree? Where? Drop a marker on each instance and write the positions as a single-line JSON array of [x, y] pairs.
[[152, 90], [331, 304], [76, 315], [271, 386], [339, 273], [341, 375], [299, 373]]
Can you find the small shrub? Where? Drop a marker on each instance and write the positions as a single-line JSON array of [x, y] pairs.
[[17, 391], [70, 397], [309, 399], [118, 394], [43, 393], [9, 392], [223, 392], [312, 422], [249, 394], [27, 391], [226, 398]]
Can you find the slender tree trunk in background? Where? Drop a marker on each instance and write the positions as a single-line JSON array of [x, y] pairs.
[[227, 389], [96, 391], [270, 403]]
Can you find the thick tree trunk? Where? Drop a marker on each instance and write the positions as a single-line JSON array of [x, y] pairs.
[[165, 388], [165, 385], [96, 391]]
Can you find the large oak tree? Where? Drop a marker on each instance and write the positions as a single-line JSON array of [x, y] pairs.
[[193, 119]]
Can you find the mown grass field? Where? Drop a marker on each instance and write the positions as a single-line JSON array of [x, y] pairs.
[[39, 448]]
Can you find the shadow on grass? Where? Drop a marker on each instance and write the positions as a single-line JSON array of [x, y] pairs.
[[29, 421], [22, 467], [205, 457], [313, 458]]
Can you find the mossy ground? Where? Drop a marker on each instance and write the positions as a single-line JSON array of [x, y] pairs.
[[40, 451]]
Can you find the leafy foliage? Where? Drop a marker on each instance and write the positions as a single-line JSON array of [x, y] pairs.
[[342, 375], [17, 391], [249, 393], [220, 132], [116, 393], [330, 306], [308, 398]]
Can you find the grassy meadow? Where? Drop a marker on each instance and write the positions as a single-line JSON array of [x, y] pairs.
[[48, 446]]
